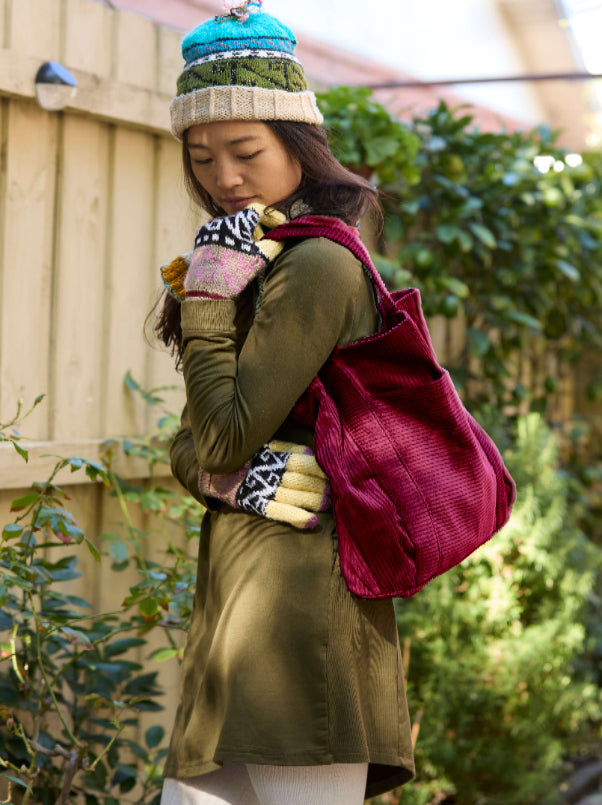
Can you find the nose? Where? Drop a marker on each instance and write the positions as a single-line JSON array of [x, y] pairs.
[[227, 175]]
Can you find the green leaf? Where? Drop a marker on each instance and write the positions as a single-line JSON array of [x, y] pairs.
[[523, 318], [118, 551], [466, 242], [153, 736], [147, 396], [484, 234], [162, 654], [75, 463], [20, 450], [16, 781], [94, 471], [380, 148], [12, 530], [77, 638], [118, 647], [93, 549], [148, 607], [568, 270], [447, 233], [455, 286], [21, 503], [478, 342]]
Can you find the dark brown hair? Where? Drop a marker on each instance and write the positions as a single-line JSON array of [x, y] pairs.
[[327, 188]]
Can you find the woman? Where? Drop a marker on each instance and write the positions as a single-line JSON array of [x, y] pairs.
[[292, 688]]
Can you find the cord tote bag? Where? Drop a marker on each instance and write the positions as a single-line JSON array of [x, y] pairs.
[[417, 485]]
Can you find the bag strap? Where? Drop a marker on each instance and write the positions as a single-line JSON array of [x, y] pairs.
[[323, 226]]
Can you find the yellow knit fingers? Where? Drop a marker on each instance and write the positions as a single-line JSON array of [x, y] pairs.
[[303, 482], [173, 274], [311, 501], [300, 459], [271, 219], [306, 465], [293, 515], [278, 446]]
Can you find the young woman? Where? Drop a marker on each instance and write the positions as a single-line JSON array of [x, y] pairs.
[[292, 688]]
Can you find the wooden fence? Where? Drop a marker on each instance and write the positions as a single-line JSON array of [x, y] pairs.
[[91, 204]]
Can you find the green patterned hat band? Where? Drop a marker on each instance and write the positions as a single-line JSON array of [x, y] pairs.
[[241, 66]]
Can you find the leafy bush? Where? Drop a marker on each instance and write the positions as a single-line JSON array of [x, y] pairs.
[[472, 222], [494, 645], [71, 685]]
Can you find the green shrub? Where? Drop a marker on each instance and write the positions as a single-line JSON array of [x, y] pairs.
[[71, 684], [494, 647]]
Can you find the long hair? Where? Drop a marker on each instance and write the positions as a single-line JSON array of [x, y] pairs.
[[326, 188]]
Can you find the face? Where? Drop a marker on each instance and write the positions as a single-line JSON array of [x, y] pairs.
[[239, 162]]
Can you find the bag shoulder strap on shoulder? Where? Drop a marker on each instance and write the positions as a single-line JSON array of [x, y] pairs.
[[323, 226]]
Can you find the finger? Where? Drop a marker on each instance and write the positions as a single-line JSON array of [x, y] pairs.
[[293, 515], [310, 501], [304, 464], [279, 446], [303, 482]]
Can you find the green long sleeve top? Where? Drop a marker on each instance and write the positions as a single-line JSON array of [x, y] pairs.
[[244, 372]]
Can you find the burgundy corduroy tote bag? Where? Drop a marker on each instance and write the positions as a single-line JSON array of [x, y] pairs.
[[417, 484]]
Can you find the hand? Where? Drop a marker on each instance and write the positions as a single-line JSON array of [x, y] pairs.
[[282, 482], [226, 256]]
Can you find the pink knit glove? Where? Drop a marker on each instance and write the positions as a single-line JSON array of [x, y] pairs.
[[282, 481], [226, 257]]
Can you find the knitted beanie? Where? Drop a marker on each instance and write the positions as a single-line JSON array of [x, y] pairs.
[[241, 66]]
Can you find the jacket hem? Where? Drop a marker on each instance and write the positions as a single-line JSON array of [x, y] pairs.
[[402, 768]]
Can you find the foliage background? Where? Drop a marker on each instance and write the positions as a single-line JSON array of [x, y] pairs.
[[504, 652]]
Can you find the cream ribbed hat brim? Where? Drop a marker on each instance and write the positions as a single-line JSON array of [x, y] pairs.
[[241, 103]]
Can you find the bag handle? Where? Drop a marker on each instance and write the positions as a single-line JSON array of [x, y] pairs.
[[324, 226]]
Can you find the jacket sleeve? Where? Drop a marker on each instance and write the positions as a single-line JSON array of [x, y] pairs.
[[315, 297], [184, 463]]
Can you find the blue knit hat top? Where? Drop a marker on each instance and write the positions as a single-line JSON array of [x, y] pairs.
[[241, 66], [260, 31]]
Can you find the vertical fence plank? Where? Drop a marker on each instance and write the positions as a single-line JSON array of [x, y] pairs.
[[170, 60], [79, 285], [136, 50], [35, 28], [176, 222], [131, 279], [26, 252], [437, 330], [4, 7], [88, 30]]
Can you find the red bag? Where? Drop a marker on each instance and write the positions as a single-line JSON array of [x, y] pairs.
[[417, 484]]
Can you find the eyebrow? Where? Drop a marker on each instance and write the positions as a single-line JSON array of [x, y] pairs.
[[238, 141]]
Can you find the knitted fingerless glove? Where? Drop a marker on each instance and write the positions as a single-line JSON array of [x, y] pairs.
[[282, 482], [227, 256]]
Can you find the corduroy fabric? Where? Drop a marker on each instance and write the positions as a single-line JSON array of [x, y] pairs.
[[417, 484]]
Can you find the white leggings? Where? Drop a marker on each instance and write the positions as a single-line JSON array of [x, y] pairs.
[[251, 784]]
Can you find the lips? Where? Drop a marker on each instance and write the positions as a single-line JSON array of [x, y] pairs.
[[238, 203]]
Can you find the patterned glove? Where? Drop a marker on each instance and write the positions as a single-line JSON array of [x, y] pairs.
[[227, 256], [173, 275], [282, 481]]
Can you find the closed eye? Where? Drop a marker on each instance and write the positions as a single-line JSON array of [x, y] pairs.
[[249, 156]]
